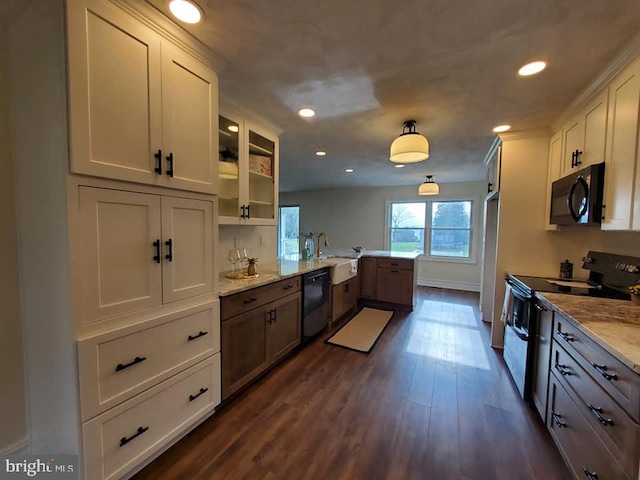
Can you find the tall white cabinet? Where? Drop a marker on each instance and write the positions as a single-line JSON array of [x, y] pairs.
[[115, 134]]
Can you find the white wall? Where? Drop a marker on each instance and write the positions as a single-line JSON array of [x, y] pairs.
[[12, 390], [261, 242], [357, 216]]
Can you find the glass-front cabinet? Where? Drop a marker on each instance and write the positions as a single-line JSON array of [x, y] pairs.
[[248, 169]]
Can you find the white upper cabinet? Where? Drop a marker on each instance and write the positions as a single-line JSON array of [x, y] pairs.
[[555, 164], [248, 166], [584, 136], [621, 175], [140, 109], [140, 251]]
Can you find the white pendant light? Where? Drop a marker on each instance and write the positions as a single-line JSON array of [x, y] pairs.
[[410, 146], [228, 170], [429, 187]]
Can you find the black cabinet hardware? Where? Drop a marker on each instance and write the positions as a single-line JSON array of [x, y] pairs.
[[602, 369], [125, 440], [169, 255], [556, 419], [250, 300], [395, 271], [563, 370], [489, 187], [135, 361], [248, 211], [158, 157], [575, 158], [288, 287], [242, 215], [193, 337], [193, 397], [597, 412], [156, 257], [590, 475], [540, 308], [347, 287], [170, 161], [272, 317], [394, 264], [566, 336], [275, 315]]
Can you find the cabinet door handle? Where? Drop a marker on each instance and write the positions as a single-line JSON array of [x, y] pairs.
[[158, 157], [394, 264], [125, 440], [250, 300], [275, 315], [563, 370], [156, 257], [347, 287], [242, 215], [590, 475], [566, 336], [394, 271], [556, 419], [597, 412], [602, 369], [489, 187], [170, 161], [169, 255], [290, 286], [193, 397], [248, 211], [272, 316], [190, 338], [577, 158], [540, 308], [135, 361]]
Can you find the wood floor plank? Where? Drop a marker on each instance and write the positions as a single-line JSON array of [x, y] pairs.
[[431, 401]]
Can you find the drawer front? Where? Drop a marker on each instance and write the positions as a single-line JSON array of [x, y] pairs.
[[395, 263], [394, 286], [608, 420], [579, 445], [617, 379], [120, 364], [245, 301], [118, 440]]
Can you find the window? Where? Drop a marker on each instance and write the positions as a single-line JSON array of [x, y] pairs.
[[433, 228], [289, 231]]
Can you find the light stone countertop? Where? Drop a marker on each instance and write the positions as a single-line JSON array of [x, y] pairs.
[[612, 324], [275, 270]]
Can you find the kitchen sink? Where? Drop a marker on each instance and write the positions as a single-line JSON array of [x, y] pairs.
[[340, 269]]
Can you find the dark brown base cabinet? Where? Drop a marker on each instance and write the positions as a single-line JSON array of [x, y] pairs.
[[389, 280], [257, 338], [344, 297]]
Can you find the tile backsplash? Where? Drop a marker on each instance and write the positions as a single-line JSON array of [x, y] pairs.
[[259, 241]]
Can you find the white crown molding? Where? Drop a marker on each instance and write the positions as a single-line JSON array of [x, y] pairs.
[[622, 59], [164, 26], [492, 150], [524, 134]]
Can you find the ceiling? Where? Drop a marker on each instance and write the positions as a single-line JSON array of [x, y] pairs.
[[366, 67]]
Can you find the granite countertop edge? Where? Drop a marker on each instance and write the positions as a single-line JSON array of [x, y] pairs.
[[599, 319]]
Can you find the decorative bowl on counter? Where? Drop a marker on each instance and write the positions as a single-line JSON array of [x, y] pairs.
[[358, 249]]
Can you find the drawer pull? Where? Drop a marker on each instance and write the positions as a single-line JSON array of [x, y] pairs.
[[136, 360], [563, 370], [289, 286], [125, 440], [394, 271], [193, 397], [589, 475], [556, 419], [193, 337], [250, 300], [603, 371], [597, 412], [566, 336]]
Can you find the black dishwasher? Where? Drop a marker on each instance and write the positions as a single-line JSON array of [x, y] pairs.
[[315, 304]]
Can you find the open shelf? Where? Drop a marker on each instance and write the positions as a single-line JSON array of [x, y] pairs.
[[259, 202], [260, 175], [229, 199], [253, 148]]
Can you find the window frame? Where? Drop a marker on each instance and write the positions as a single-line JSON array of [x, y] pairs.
[[472, 258]]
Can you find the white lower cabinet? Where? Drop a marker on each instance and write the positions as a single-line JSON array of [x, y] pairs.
[[117, 365], [120, 439]]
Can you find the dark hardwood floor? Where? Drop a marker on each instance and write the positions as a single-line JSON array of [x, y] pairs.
[[431, 401]]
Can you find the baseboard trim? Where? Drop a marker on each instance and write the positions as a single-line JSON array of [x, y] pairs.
[[466, 286], [16, 448]]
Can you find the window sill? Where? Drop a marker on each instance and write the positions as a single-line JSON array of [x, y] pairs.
[[469, 261]]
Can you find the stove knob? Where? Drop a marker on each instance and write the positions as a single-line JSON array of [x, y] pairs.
[[633, 268]]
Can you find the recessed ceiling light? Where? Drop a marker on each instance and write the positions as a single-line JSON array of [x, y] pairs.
[[501, 128], [233, 128], [186, 11], [320, 153], [400, 166], [348, 170], [306, 112], [532, 68]]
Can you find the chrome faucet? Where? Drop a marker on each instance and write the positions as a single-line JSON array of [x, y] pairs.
[[326, 243]]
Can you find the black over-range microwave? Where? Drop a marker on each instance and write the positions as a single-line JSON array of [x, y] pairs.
[[577, 198]]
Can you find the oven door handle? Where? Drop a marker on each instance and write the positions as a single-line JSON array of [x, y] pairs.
[[578, 215]]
